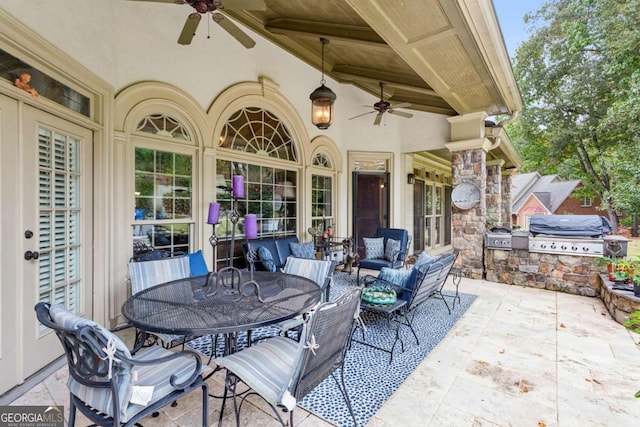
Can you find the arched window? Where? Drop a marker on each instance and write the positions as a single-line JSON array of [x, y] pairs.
[[164, 216], [163, 125], [271, 186], [322, 160], [256, 130]]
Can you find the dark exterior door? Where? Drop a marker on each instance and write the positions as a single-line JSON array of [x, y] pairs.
[[371, 205]]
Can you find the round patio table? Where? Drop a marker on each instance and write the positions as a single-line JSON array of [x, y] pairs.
[[196, 306]]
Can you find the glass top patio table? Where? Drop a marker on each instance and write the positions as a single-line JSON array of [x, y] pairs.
[[195, 306]]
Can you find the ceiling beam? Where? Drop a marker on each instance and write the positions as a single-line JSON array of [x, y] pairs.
[[403, 82], [352, 34]]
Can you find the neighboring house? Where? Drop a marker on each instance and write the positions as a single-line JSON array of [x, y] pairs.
[[533, 194]]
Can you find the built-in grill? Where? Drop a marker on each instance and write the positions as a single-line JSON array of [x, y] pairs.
[[568, 234], [498, 238]]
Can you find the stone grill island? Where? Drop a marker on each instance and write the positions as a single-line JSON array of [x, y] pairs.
[[565, 260]]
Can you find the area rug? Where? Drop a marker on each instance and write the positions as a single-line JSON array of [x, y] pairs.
[[369, 376]]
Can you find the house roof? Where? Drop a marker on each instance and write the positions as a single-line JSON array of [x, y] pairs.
[[550, 190]]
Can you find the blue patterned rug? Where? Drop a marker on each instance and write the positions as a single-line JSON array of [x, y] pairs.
[[369, 376]]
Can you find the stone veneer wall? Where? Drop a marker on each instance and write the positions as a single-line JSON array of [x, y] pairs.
[[506, 200], [494, 195], [619, 303], [469, 225], [566, 273]]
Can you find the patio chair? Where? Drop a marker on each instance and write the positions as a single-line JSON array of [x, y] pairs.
[[145, 274], [320, 271], [282, 371], [388, 248], [110, 386], [413, 287]]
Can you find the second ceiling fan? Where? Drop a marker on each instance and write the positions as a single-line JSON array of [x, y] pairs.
[[214, 7], [383, 106]]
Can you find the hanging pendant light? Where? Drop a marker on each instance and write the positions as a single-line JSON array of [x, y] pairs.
[[322, 100]]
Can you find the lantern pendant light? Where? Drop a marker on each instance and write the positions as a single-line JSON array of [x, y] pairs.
[[322, 100]]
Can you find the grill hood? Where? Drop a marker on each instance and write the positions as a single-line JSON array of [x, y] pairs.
[[570, 225]]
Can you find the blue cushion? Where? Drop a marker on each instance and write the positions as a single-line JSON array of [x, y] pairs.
[[266, 259], [303, 250], [396, 276], [197, 264], [391, 250], [374, 247], [424, 259], [377, 264]]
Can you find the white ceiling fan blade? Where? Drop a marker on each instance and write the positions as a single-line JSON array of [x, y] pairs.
[[401, 105], [243, 4], [401, 114], [189, 29], [378, 119], [234, 30], [363, 114]]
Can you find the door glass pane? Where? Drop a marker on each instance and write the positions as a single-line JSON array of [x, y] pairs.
[[59, 218]]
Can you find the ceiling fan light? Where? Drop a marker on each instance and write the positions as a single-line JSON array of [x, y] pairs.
[[322, 100]]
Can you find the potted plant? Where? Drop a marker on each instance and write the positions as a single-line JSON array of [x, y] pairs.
[[621, 276], [636, 289]]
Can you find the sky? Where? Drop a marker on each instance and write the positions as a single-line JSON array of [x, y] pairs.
[[510, 14]]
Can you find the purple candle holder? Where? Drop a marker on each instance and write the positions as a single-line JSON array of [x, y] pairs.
[[214, 213], [251, 226], [238, 186]]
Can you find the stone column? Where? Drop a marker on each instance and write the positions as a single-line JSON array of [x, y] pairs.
[[494, 193], [506, 197], [469, 148]]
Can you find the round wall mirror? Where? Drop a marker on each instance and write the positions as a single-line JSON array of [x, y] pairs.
[[465, 196]]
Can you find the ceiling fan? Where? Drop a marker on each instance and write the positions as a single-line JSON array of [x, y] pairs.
[[214, 7], [383, 106]]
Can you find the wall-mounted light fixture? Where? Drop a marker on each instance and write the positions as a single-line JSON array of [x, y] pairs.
[[322, 100], [411, 179]]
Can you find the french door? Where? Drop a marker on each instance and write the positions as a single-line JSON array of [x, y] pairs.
[[47, 228], [371, 196]]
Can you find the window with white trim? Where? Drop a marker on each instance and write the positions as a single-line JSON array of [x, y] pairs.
[[585, 202]]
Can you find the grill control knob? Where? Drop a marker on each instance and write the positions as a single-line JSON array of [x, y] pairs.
[[563, 247], [543, 246], [574, 248], [585, 248], [553, 246]]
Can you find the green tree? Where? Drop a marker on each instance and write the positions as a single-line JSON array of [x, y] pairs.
[[579, 75]]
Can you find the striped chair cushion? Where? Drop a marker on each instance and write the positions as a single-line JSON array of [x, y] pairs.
[[157, 376], [267, 368], [145, 274], [121, 371], [314, 269]]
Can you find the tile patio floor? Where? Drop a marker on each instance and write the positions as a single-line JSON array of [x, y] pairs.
[[518, 357]]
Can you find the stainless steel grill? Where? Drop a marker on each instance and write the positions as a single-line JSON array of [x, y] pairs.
[[498, 241], [575, 245]]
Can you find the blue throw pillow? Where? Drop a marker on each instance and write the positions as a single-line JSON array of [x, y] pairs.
[[303, 250], [197, 265], [424, 259], [374, 247], [392, 250], [266, 259]]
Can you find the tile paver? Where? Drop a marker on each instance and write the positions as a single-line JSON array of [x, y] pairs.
[[518, 357]]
